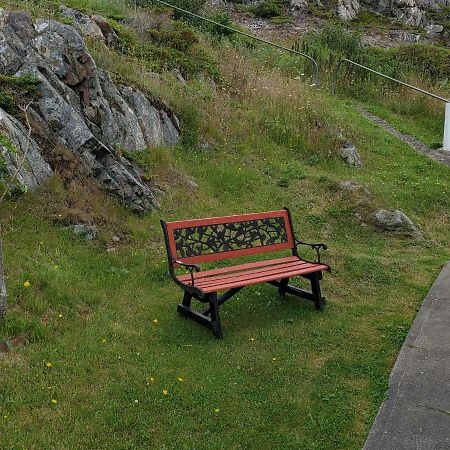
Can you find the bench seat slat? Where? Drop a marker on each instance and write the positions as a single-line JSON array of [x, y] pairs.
[[279, 268], [264, 278], [207, 273]]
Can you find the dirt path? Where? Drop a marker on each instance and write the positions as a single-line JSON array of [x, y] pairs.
[[438, 155]]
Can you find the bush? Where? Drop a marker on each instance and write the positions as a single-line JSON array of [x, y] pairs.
[[223, 19], [175, 46], [178, 36], [332, 44], [269, 8], [16, 90]]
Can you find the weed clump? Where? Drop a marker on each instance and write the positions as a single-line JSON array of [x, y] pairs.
[[16, 91], [173, 45]]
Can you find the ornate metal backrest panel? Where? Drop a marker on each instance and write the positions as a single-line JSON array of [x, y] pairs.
[[216, 238]]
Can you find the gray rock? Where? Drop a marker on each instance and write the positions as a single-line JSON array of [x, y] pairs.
[[406, 11], [348, 9], [351, 186], [177, 74], [396, 222], [434, 29], [405, 36], [207, 81], [84, 25], [115, 239], [82, 109], [298, 6], [20, 156], [109, 34], [89, 232], [350, 155]]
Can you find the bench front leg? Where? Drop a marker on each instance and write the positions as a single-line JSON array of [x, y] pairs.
[[319, 301], [283, 286], [214, 314]]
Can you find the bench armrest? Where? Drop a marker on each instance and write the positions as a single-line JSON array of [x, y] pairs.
[[190, 267], [316, 247]]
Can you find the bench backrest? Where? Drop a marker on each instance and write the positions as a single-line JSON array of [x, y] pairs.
[[216, 238]]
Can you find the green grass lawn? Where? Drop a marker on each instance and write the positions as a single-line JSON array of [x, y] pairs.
[[284, 376], [110, 363]]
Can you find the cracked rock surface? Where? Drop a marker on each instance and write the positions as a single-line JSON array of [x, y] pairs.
[[81, 108]]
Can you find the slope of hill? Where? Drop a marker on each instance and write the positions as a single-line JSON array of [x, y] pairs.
[[108, 363]]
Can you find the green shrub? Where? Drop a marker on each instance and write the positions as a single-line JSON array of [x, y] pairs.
[[269, 8], [179, 36], [331, 44], [16, 90], [223, 19], [7, 102], [174, 47]]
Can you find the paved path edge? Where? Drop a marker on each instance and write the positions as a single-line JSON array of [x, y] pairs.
[[416, 414]]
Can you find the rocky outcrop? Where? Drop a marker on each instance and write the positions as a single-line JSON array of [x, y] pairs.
[[81, 108], [82, 23], [407, 11], [95, 27]]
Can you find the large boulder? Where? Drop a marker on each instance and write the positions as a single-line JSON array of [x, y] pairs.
[[396, 222], [81, 108]]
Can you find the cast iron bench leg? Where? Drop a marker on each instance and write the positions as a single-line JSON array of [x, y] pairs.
[[187, 299], [319, 301], [282, 286], [214, 313]]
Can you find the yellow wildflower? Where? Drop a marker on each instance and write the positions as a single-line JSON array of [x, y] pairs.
[[26, 284], [155, 320], [216, 410], [165, 391], [49, 364], [54, 401], [180, 379]]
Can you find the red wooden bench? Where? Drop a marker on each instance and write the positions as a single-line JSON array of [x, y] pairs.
[[191, 242]]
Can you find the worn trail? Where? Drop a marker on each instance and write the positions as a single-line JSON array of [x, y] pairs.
[[438, 155]]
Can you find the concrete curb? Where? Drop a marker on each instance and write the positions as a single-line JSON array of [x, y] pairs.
[[416, 414]]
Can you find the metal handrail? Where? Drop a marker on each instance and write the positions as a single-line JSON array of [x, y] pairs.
[[313, 61], [415, 88]]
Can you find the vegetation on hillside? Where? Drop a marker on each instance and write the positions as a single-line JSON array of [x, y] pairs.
[[110, 365]]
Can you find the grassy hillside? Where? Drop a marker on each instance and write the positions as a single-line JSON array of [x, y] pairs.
[[110, 364]]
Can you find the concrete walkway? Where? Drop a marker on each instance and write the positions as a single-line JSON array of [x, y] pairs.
[[416, 415]]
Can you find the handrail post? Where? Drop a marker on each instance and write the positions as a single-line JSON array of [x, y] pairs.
[[446, 146]]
